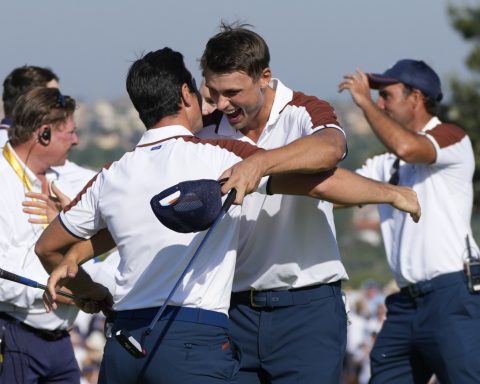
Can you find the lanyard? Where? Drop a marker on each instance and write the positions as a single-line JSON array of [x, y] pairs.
[[19, 170], [17, 167]]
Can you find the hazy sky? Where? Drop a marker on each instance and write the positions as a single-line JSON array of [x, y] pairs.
[[313, 43]]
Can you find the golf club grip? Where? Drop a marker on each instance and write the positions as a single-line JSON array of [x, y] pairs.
[[17, 279], [229, 200]]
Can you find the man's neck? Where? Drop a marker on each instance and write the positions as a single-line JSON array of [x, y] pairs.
[[419, 123], [29, 156], [255, 129], [179, 119]]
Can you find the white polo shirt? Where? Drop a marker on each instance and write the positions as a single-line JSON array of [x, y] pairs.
[[152, 257], [17, 241], [286, 241], [436, 244]]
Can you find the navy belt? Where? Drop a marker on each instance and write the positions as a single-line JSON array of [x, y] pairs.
[[423, 288], [45, 334], [294, 296], [192, 315]]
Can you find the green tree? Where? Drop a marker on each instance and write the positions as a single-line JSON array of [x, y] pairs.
[[464, 107]]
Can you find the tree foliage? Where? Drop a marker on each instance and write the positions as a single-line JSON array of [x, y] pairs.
[[464, 107]]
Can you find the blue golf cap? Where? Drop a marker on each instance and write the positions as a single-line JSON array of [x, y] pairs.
[[415, 73], [190, 206]]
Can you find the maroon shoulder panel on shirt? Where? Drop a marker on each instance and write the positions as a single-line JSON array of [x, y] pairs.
[[447, 134], [82, 192], [239, 148], [320, 111]]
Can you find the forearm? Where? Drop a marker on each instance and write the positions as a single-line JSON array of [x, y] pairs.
[[338, 186], [398, 139], [97, 245], [55, 242], [315, 153]]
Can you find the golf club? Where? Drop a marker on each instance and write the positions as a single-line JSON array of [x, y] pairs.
[[31, 283], [132, 345]]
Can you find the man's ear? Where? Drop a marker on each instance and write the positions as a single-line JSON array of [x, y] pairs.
[[186, 95], [418, 98], [265, 78]]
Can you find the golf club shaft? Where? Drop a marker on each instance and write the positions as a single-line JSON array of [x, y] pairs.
[[226, 205], [31, 283]]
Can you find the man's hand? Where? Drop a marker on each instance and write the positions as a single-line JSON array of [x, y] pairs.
[[98, 299], [95, 299], [44, 207], [244, 177], [406, 200], [358, 86], [66, 270]]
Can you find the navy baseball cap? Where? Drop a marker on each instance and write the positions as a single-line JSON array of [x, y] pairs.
[[414, 73], [190, 206]]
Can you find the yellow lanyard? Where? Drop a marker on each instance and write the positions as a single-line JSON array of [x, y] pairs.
[[19, 170], [17, 167]]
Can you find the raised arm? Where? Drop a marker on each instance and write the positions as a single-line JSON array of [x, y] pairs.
[[405, 143], [344, 187]]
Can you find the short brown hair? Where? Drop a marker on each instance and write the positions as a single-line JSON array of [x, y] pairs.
[[37, 107], [236, 48]]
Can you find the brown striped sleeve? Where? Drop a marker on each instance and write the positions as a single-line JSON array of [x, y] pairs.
[[320, 111], [446, 134], [239, 148], [82, 192]]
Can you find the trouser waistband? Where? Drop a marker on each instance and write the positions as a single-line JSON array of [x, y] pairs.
[[294, 296], [192, 315], [45, 334], [423, 288]]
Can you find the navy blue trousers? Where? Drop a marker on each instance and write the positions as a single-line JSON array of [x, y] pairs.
[[30, 359], [299, 343], [433, 330], [177, 352]]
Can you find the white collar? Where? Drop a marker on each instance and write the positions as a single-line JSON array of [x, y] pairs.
[[155, 134], [50, 174], [283, 96], [433, 122]]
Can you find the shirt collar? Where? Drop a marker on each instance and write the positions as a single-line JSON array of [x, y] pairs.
[[50, 175], [433, 122], [153, 135], [283, 96]]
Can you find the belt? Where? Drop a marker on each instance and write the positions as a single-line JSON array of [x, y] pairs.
[[294, 296], [423, 288], [192, 315], [45, 334]]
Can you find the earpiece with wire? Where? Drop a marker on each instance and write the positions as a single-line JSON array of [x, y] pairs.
[[45, 137]]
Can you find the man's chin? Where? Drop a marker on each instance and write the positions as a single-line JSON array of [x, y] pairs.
[[59, 163]]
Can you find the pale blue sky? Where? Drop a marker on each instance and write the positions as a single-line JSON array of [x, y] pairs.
[[313, 43]]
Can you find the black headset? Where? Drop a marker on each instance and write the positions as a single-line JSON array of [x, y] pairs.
[[45, 137]]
